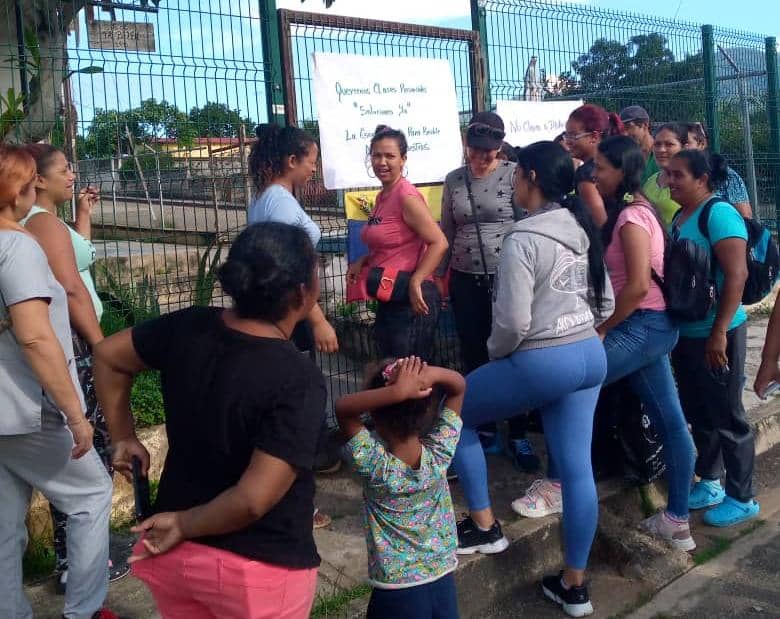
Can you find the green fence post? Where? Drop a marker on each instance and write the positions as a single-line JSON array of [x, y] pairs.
[[479, 24], [773, 111], [272, 61], [710, 86]]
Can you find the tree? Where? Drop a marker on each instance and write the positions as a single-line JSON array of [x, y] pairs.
[[150, 120], [218, 120], [641, 71]]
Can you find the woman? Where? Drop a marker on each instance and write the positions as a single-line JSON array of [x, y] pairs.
[[238, 475], [71, 256], [545, 354], [585, 128], [733, 189], [471, 240], [45, 438], [402, 238], [282, 159], [670, 139], [709, 360], [639, 335]]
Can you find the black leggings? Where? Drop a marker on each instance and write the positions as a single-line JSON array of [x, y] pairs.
[[399, 332]]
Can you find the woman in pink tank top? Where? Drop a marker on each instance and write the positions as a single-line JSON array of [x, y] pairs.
[[639, 336], [402, 237]]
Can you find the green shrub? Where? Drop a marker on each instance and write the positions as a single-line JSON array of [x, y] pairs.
[[146, 401]]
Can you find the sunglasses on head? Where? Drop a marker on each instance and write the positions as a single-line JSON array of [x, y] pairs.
[[483, 130]]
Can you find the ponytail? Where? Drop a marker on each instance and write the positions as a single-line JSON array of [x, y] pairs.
[[555, 179], [274, 145], [598, 275]]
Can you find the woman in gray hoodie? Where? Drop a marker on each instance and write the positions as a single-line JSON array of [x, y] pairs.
[[551, 292]]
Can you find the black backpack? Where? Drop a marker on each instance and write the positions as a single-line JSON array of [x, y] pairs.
[[689, 281], [763, 258]]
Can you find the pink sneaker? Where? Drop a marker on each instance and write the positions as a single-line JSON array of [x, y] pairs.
[[677, 533], [542, 499]]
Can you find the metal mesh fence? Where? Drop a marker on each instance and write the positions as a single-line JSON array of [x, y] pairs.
[[156, 106], [153, 106]]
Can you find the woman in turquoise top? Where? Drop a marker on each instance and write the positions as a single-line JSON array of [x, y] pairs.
[[709, 360], [670, 139], [71, 254]]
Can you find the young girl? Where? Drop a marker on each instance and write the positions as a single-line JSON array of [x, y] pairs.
[[410, 524]]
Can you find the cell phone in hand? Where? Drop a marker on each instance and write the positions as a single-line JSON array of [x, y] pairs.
[[140, 491]]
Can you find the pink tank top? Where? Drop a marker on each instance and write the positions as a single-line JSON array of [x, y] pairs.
[[640, 214], [390, 241]]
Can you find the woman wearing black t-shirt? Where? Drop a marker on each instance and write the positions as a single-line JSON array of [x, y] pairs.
[[243, 411], [586, 127]]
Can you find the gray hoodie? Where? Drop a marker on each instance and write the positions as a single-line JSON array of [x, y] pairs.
[[543, 295]]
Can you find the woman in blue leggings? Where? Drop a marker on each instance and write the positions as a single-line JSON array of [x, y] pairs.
[[550, 286]]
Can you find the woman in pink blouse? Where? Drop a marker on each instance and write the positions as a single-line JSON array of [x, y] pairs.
[[405, 245]]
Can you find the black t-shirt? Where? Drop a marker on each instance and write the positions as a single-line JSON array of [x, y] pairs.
[[227, 394], [586, 173]]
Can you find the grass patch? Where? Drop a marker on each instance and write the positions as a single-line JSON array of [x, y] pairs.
[[146, 399], [38, 561], [328, 606], [721, 544], [646, 502]]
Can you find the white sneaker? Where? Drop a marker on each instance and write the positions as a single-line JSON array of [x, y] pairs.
[[542, 499], [678, 534]]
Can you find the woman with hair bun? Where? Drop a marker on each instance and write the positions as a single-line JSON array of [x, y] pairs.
[[235, 501], [709, 360], [586, 127], [282, 159], [669, 140], [404, 248]]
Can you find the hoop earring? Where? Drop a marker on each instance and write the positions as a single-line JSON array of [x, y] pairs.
[[405, 172], [370, 172]]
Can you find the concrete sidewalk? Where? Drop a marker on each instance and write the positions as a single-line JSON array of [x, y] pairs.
[[535, 546]]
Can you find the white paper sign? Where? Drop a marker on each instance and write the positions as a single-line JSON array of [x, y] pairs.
[[354, 94], [527, 122]]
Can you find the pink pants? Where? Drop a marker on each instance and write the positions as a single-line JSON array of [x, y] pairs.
[[194, 581]]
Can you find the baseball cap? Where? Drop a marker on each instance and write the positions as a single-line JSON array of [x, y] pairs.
[[633, 113], [485, 131]]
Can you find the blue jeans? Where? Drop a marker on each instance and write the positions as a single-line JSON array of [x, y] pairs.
[[564, 383], [639, 348], [434, 600]]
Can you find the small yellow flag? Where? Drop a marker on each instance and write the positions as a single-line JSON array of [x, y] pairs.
[[359, 204]]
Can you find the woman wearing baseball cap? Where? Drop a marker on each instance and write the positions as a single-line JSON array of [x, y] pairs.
[[477, 209]]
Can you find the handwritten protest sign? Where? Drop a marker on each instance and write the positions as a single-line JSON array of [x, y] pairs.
[[354, 94], [527, 122]]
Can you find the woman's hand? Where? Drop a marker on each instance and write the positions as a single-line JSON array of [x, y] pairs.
[[325, 337], [767, 373], [715, 350], [353, 272], [410, 379], [88, 198], [161, 533], [124, 450], [416, 297], [83, 433]]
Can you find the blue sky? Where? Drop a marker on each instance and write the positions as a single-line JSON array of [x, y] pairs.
[[210, 50]]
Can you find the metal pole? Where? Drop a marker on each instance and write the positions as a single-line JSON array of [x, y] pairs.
[[773, 111], [479, 23], [747, 136], [710, 86], [23, 83], [272, 60]]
